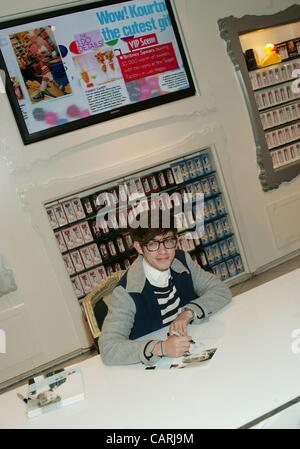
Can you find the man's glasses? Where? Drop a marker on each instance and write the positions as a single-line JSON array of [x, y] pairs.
[[154, 245]]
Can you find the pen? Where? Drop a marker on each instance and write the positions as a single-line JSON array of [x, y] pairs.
[[179, 334], [22, 398]]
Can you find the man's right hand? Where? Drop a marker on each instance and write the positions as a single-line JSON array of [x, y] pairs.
[[173, 346], [176, 346]]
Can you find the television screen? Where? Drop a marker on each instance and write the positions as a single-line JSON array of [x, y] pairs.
[[82, 65]]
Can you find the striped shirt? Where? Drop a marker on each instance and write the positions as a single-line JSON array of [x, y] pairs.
[[164, 291], [168, 300]]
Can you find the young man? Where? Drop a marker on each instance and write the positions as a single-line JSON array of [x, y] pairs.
[[163, 287]]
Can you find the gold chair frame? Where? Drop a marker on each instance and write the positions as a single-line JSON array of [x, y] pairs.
[[100, 292]]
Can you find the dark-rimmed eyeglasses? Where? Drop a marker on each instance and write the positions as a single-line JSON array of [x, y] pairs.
[[154, 245]]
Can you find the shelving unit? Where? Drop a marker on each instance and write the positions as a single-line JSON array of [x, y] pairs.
[[93, 250], [278, 101], [268, 90]]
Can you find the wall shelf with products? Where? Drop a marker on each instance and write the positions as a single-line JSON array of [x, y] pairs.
[[92, 249], [275, 74], [265, 51], [279, 108]]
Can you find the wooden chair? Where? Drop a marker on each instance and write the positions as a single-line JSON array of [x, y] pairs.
[[95, 304]]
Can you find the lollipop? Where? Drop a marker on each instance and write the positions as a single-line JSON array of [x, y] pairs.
[[73, 111], [51, 118], [38, 114]]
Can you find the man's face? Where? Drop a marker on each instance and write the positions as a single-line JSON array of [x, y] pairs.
[[162, 258]]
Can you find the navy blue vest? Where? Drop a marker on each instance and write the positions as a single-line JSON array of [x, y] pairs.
[[148, 317]]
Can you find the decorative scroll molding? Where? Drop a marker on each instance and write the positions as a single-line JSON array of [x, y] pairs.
[[226, 36], [5, 156], [15, 166], [7, 280], [34, 194]]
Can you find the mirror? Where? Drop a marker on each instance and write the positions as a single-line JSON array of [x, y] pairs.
[[265, 52]]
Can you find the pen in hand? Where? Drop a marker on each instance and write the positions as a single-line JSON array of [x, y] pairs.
[[179, 334]]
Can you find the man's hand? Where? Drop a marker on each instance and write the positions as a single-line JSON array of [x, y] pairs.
[[180, 323], [176, 346]]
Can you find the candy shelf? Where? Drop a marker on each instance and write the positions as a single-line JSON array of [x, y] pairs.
[[92, 250]]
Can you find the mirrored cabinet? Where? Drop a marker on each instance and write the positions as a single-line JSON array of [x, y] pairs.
[[278, 103], [265, 51]]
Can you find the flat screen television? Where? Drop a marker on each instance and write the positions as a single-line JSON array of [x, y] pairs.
[[85, 64]]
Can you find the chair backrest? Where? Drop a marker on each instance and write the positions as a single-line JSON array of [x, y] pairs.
[[94, 304]]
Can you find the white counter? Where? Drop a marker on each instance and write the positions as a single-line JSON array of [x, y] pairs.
[[253, 372]]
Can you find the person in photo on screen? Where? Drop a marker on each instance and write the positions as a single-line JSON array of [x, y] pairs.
[[47, 78], [40, 63], [163, 287]]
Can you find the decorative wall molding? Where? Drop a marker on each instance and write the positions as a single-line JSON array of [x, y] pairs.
[[18, 165], [285, 233], [6, 156], [33, 193], [7, 280]]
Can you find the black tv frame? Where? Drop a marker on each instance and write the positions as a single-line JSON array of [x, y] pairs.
[[29, 138]]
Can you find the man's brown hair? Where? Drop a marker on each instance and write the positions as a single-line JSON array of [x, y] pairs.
[[148, 224]]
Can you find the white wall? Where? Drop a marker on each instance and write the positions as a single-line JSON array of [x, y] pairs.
[[42, 318]]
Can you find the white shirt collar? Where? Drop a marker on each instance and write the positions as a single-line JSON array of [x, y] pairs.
[[156, 277]]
